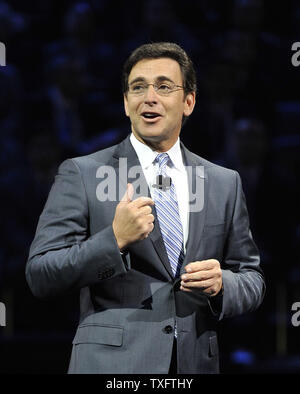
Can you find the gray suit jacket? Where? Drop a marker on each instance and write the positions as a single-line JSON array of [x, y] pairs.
[[129, 304]]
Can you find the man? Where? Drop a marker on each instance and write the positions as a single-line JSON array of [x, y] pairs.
[[155, 273]]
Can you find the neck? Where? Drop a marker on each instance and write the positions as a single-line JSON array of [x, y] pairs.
[[157, 145]]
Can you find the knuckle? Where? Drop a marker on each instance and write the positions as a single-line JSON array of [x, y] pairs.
[[144, 199], [150, 227], [138, 223]]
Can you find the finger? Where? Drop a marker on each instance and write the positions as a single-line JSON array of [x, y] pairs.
[[145, 210], [185, 289], [146, 219], [199, 275], [203, 265], [148, 230], [142, 201], [208, 292], [128, 193], [200, 284], [190, 290], [150, 218]]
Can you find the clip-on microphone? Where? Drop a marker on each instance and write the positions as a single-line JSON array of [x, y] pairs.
[[162, 182]]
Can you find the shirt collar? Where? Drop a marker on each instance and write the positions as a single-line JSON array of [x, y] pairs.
[[146, 155], [176, 156]]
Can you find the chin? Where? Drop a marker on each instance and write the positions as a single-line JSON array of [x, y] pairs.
[[153, 136], [150, 134]]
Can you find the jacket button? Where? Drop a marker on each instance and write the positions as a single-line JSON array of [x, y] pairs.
[[106, 274], [168, 329], [110, 272]]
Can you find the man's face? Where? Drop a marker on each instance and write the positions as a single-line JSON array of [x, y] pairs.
[[164, 126]]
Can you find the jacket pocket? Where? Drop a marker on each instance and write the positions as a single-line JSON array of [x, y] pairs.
[[99, 334]]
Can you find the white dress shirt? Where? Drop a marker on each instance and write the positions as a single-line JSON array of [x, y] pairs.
[[177, 173]]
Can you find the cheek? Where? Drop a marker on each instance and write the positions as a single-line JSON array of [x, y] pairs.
[[131, 109], [126, 110], [132, 113], [177, 112]]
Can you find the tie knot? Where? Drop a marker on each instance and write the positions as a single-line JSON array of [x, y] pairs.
[[162, 159]]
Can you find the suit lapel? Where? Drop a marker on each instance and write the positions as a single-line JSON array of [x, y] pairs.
[[158, 243], [127, 165], [198, 187]]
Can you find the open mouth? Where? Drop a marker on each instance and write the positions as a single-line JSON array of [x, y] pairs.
[[150, 115]]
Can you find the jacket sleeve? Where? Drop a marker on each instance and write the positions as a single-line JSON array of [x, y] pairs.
[[243, 280], [63, 256]]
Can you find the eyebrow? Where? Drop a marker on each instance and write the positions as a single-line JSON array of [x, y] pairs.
[[160, 78]]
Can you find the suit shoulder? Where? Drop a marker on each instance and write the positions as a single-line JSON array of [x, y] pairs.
[[102, 156], [214, 168], [220, 170]]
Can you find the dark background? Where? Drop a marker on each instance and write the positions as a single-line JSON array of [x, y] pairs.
[[60, 97]]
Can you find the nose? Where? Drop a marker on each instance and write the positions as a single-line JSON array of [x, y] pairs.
[[150, 96]]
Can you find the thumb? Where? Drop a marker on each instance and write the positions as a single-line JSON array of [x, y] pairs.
[[128, 193]]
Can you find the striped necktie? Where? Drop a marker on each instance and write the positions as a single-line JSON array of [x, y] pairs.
[[166, 206]]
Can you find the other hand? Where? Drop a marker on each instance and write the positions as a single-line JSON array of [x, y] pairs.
[[204, 276]]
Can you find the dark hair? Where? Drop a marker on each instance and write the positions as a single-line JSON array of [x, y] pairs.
[[158, 50]]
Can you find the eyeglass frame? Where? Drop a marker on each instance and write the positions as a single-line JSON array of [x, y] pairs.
[[155, 85]]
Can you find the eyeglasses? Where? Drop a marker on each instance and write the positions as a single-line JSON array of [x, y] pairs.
[[161, 88]]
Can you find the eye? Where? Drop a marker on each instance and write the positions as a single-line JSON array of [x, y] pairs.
[[138, 87], [164, 87]]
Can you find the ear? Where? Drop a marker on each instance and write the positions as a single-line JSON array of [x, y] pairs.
[[126, 105], [189, 103]]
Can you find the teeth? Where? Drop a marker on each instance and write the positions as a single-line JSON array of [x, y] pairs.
[[147, 115]]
